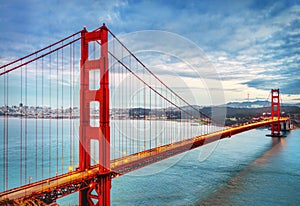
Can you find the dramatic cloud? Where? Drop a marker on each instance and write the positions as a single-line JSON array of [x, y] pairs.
[[253, 45]]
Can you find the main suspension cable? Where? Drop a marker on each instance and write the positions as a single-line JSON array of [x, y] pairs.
[[172, 91], [36, 52], [149, 86]]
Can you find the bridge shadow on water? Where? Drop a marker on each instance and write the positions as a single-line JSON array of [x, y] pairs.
[[239, 182]]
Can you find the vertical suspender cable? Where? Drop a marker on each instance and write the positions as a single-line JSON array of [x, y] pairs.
[[161, 119], [119, 118], [71, 107], [57, 112], [3, 143], [62, 108], [26, 125], [135, 122], [130, 126], [156, 116], [50, 117], [150, 126], [138, 103], [113, 69], [112, 103], [6, 137], [42, 118], [172, 120], [166, 120], [36, 121], [122, 109], [5, 131], [21, 127], [125, 107], [126, 121], [144, 112]]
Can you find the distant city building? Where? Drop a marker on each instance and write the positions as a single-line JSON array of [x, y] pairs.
[[139, 113], [173, 114]]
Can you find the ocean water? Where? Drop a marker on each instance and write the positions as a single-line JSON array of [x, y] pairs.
[[247, 169]]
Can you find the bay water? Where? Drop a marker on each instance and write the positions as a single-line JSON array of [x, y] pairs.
[[246, 169]]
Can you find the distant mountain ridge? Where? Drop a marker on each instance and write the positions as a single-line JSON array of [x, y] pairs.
[[250, 104], [255, 104]]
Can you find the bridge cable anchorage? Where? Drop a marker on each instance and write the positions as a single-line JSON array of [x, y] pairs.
[[145, 67]]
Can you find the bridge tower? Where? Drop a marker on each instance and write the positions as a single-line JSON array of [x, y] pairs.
[[98, 191], [275, 106]]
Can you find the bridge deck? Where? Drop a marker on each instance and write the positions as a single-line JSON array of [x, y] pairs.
[[81, 179]]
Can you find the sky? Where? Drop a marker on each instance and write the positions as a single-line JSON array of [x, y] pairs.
[[252, 45]]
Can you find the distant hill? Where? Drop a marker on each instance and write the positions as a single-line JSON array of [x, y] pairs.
[[255, 104], [194, 106]]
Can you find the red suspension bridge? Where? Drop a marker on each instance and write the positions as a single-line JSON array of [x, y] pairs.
[[77, 135]]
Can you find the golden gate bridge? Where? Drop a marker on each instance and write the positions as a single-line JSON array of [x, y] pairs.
[[128, 119]]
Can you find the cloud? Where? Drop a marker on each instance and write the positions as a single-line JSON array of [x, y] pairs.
[[251, 44], [31, 25], [287, 86], [265, 51]]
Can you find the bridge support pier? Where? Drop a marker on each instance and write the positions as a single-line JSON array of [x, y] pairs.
[[98, 191], [286, 126]]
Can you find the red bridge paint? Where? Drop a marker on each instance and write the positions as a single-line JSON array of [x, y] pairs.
[[275, 106], [98, 192]]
